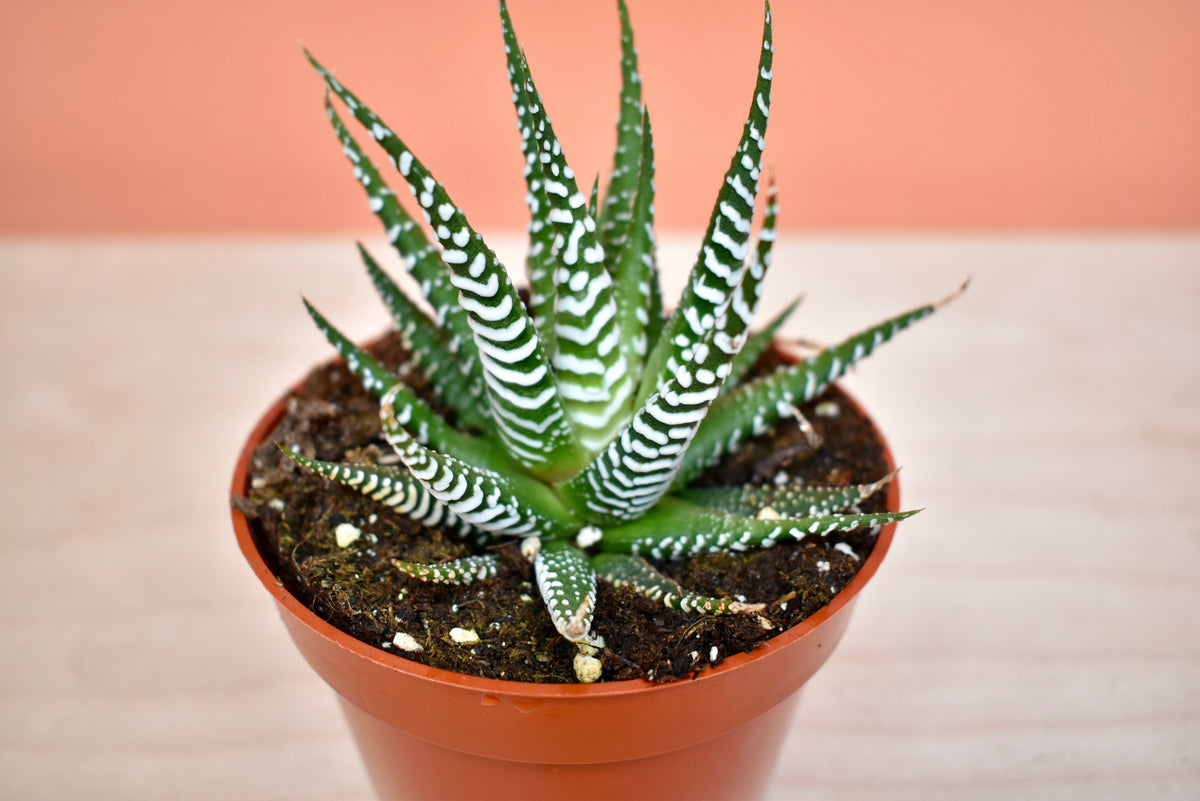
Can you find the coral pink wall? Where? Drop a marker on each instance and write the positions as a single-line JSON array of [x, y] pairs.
[[139, 116]]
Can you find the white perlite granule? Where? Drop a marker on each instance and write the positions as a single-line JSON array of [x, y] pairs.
[[464, 636], [406, 642], [827, 409], [346, 533], [587, 668]]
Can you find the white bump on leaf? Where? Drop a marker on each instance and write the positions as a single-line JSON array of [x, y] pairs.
[[588, 536]]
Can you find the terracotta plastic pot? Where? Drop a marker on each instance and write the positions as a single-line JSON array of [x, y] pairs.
[[427, 733]]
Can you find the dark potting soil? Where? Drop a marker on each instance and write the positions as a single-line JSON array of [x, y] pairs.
[[294, 514]]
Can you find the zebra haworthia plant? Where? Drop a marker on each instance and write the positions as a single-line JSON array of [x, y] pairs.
[[583, 417]]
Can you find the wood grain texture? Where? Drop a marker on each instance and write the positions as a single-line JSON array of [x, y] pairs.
[[1032, 633]]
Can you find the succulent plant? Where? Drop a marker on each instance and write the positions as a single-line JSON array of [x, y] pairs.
[[581, 417]]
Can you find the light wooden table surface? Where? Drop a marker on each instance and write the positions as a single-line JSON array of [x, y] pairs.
[[1033, 634]]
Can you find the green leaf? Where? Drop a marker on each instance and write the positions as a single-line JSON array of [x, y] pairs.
[[463, 571], [639, 465], [675, 528], [539, 262], [593, 199], [391, 486], [635, 276], [789, 500], [421, 258], [752, 407], [525, 404], [721, 263], [744, 302], [617, 213], [756, 345], [428, 425], [623, 570], [375, 378], [430, 349], [594, 381], [510, 504], [568, 586]]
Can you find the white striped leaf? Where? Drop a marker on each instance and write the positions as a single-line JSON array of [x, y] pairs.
[[623, 570], [567, 583], [393, 487], [634, 272], [617, 214], [594, 198], [744, 300], [430, 350], [675, 529], [420, 256], [756, 345], [463, 571], [639, 465], [722, 259], [525, 404], [510, 503], [375, 378], [539, 261], [789, 500], [427, 425], [594, 380], [752, 407]]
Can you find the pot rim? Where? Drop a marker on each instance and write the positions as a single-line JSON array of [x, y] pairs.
[[505, 688]]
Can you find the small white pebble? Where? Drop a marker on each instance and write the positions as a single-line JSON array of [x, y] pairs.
[[463, 636], [374, 518], [526, 598], [346, 533], [587, 668], [783, 606], [823, 566], [277, 504], [406, 642], [713, 653], [258, 482], [766, 624], [827, 409], [694, 655], [781, 478]]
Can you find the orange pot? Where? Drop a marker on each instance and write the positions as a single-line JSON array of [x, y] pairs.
[[427, 733]]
